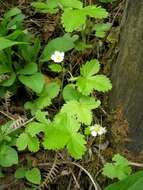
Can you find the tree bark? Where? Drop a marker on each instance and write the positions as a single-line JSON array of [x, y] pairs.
[[127, 74]]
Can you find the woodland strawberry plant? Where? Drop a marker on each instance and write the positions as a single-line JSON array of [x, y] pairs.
[[73, 96]]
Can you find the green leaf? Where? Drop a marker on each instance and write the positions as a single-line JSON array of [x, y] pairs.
[[70, 93], [102, 83], [25, 140], [29, 69], [48, 7], [81, 46], [20, 172], [33, 176], [9, 81], [5, 69], [5, 43], [76, 4], [22, 141], [119, 169], [12, 12], [49, 92], [63, 44], [81, 109], [15, 34], [56, 135], [8, 156], [133, 182], [77, 19], [94, 11], [33, 144], [78, 16], [36, 48], [53, 4], [35, 128], [76, 146], [102, 28], [41, 117], [41, 5], [34, 82], [87, 84], [64, 132], [55, 68], [90, 68]]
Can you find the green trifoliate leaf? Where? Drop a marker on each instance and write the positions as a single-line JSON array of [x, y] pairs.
[[8, 156], [119, 169], [29, 69], [57, 136], [81, 109], [25, 140], [77, 20], [33, 176], [88, 81], [90, 68], [52, 5], [87, 84], [64, 133], [34, 82], [78, 17]]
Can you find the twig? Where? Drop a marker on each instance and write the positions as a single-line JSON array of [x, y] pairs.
[[136, 164], [89, 175], [22, 124], [96, 185], [76, 182], [7, 115]]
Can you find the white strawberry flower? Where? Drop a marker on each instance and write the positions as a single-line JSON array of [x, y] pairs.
[[97, 130], [58, 56]]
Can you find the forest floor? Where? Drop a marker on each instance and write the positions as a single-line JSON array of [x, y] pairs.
[[57, 173]]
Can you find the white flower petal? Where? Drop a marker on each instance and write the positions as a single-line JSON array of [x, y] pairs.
[[58, 56], [102, 131], [62, 54], [92, 128], [53, 57], [93, 133]]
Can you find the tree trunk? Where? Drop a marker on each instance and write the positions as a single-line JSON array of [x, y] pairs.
[[127, 74]]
